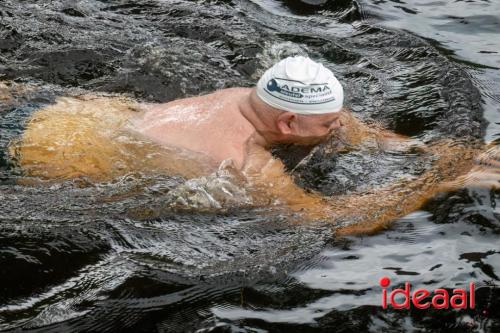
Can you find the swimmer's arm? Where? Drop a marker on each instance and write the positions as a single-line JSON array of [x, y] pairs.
[[355, 133], [270, 181]]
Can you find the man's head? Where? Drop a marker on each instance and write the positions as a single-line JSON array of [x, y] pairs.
[[298, 101]]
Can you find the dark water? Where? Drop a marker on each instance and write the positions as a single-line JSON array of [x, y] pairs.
[[79, 257]]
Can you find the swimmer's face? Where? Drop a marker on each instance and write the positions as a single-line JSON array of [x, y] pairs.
[[307, 129]]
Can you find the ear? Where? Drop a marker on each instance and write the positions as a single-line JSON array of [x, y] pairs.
[[287, 123]]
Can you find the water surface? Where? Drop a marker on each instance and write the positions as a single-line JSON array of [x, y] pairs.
[[80, 256]]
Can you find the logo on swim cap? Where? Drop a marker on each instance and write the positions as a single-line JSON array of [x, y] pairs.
[[299, 93], [272, 85], [300, 85]]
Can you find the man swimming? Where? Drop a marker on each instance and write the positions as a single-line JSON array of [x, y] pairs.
[[295, 101]]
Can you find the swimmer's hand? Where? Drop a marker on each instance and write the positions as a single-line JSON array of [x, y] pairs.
[[356, 133], [485, 174], [402, 144]]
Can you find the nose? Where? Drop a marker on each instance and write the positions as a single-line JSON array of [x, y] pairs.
[[336, 124]]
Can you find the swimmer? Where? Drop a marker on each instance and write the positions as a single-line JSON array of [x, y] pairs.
[[295, 101]]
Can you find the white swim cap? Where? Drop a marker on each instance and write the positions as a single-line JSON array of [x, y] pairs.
[[300, 85]]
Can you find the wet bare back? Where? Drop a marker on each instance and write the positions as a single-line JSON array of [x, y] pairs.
[[91, 136]]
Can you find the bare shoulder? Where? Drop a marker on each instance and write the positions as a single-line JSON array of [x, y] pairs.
[[235, 90], [231, 92]]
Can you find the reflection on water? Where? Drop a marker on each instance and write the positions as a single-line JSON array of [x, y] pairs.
[[80, 255], [427, 254], [466, 31]]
